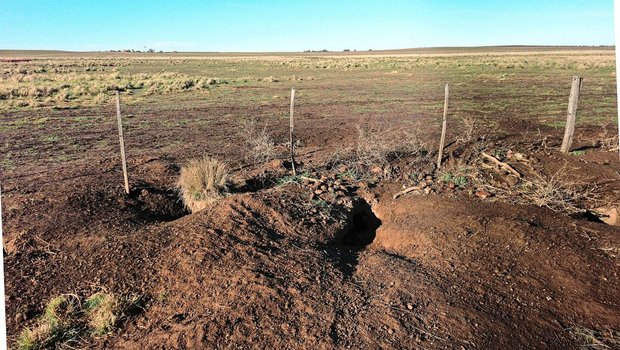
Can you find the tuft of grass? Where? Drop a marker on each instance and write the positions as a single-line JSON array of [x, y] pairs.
[[65, 320], [202, 181], [349, 174], [291, 179], [103, 311], [57, 324], [577, 153], [51, 139], [321, 204], [596, 339], [557, 124], [36, 337]]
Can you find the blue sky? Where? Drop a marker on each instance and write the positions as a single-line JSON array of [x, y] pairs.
[[292, 25]]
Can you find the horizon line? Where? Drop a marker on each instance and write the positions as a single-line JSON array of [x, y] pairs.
[[317, 51]]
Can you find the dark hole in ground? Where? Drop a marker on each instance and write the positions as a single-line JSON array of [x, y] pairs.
[[150, 203], [363, 229], [359, 232], [258, 182], [589, 216]]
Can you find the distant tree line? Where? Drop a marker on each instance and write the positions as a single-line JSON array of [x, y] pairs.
[[325, 50], [139, 51]]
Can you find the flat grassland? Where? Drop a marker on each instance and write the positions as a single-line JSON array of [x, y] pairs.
[[56, 101], [477, 258]]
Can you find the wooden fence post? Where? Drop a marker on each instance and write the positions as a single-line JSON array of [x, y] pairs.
[[571, 115], [121, 140], [443, 126], [291, 124]]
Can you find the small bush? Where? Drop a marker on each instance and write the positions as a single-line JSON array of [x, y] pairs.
[[378, 147], [259, 144], [202, 181], [459, 180], [555, 192]]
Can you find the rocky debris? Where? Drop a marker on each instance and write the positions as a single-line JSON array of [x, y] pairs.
[[330, 189], [424, 186]]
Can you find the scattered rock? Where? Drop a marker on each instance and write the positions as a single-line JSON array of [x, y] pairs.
[[275, 164], [483, 194], [511, 181]]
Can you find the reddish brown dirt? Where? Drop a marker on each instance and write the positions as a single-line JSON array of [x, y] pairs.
[[444, 271]]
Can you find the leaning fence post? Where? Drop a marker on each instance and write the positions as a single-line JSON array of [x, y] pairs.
[[572, 114], [291, 124], [443, 126], [121, 140]]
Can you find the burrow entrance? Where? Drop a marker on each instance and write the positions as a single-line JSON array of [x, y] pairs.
[[362, 227], [359, 231], [155, 204]]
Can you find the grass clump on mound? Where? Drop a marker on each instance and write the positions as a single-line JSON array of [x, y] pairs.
[[66, 320], [202, 181], [57, 324], [102, 310]]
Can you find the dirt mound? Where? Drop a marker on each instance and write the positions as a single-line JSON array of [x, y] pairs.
[[540, 276], [435, 276], [241, 272]]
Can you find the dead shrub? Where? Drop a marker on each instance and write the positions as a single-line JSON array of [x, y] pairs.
[[468, 124], [608, 140], [378, 148], [202, 181], [554, 192], [260, 146]]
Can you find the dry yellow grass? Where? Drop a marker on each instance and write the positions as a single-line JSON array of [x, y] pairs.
[[202, 181], [55, 325], [103, 310]]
